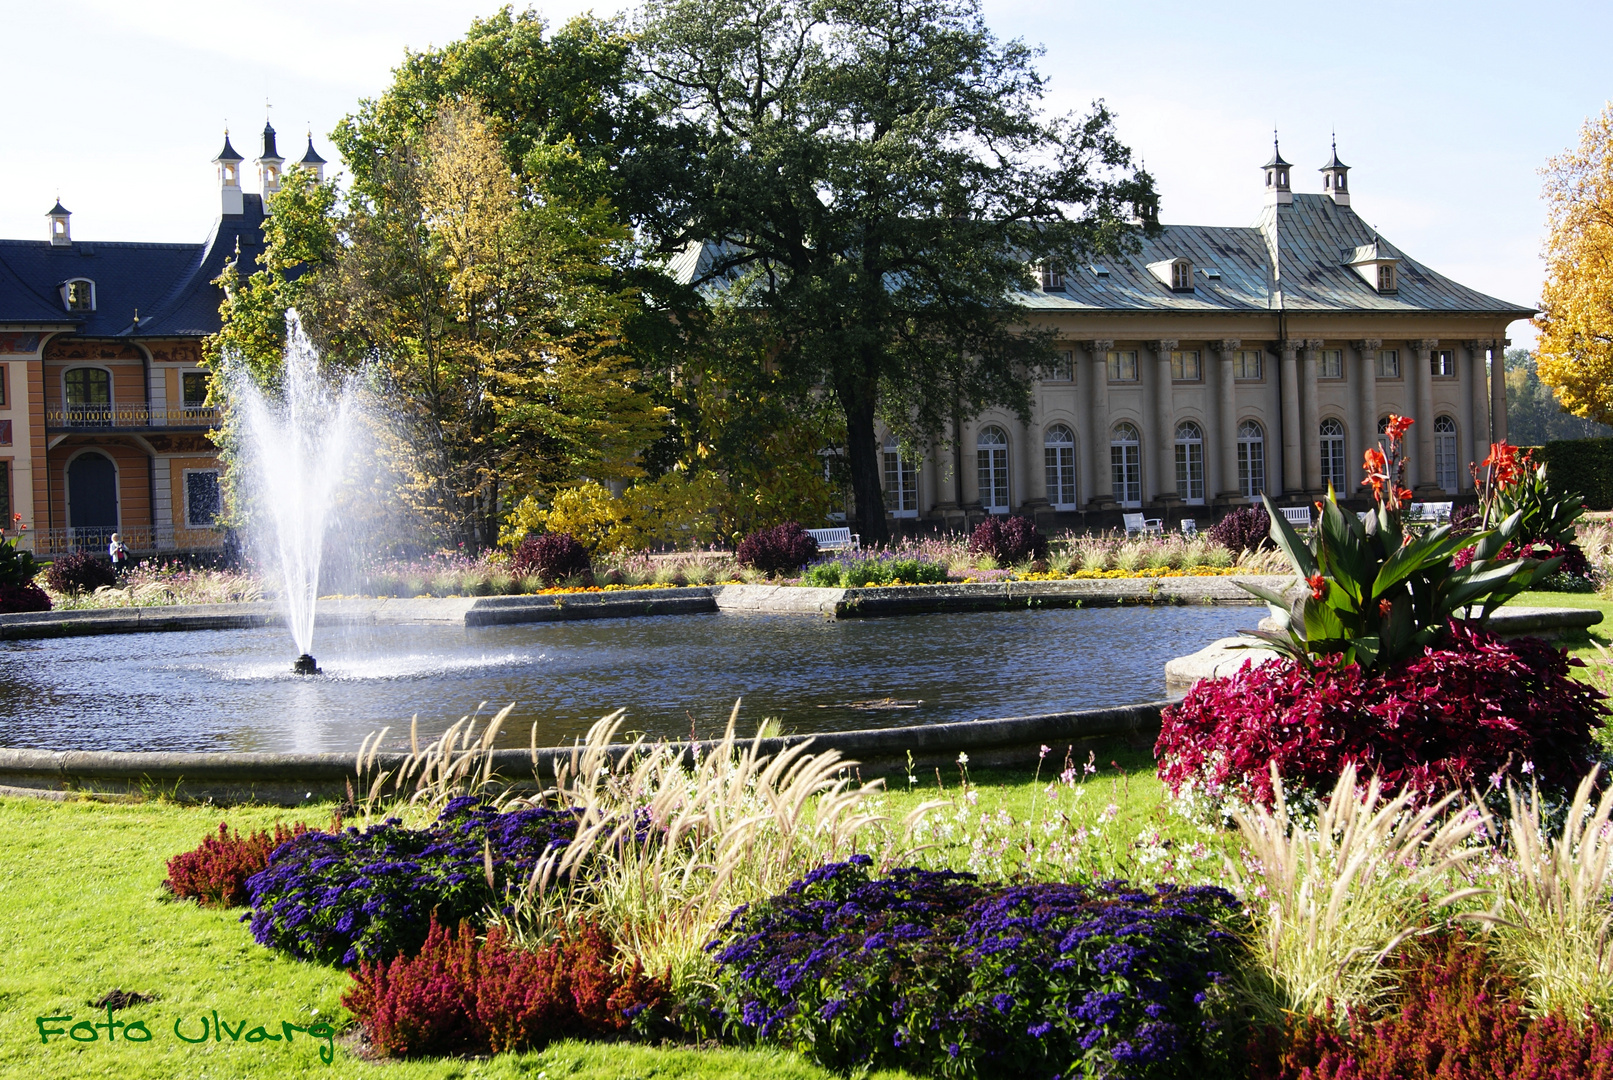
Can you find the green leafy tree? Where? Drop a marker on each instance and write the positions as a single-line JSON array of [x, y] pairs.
[[877, 179], [1534, 415]]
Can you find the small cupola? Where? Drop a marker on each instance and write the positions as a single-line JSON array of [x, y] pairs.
[[229, 176], [1278, 191], [61, 230], [269, 163], [1334, 181], [313, 162]]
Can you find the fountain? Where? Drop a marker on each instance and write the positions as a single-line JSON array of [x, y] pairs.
[[296, 448]]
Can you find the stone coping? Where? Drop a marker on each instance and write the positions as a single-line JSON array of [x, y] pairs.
[[293, 779], [1224, 657], [700, 599]]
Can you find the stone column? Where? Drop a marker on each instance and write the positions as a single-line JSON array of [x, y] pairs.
[[1470, 378], [1285, 469], [1479, 400], [1368, 399], [1164, 426], [1084, 464], [1422, 462], [1310, 432], [1033, 486], [1226, 416], [1103, 494], [1498, 389]]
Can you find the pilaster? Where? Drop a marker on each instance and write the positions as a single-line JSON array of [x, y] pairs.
[[1164, 424], [1367, 397], [1103, 497], [1310, 421], [1422, 462], [1227, 491], [1286, 470]]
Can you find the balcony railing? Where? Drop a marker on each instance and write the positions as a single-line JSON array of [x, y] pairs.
[[76, 417], [140, 540]]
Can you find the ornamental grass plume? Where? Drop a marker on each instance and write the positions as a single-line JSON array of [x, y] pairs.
[[670, 841], [1553, 918], [1340, 898]]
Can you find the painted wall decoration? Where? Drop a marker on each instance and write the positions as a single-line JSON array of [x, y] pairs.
[[75, 349], [19, 343]]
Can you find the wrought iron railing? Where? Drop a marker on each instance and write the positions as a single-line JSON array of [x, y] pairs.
[[131, 416], [139, 539]]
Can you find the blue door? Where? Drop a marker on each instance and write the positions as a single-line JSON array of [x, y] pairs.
[[92, 497]]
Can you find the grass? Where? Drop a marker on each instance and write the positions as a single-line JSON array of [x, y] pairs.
[[1582, 645], [80, 885]]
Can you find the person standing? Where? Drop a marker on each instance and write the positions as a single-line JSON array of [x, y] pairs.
[[119, 554]]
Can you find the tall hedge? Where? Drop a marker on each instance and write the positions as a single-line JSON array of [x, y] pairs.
[[1584, 466]]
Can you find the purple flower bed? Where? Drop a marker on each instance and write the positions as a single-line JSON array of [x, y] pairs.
[[938, 973], [369, 895]]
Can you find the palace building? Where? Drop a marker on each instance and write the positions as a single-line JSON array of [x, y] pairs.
[[1219, 363], [104, 417]]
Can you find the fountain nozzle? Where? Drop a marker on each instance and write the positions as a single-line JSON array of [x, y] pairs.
[[306, 665]]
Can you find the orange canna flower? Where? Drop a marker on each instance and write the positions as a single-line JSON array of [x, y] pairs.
[[1384, 607], [1318, 585], [1398, 425]]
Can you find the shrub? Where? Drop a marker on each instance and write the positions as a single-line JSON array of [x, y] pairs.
[[215, 873], [550, 557], [352, 896], [1248, 528], [459, 994], [936, 973], [80, 572], [1008, 540], [18, 598], [859, 571], [783, 549], [1463, 713], [1460, 1019]]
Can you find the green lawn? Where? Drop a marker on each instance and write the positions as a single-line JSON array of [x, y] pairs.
[[1579, 645], [80, 886]]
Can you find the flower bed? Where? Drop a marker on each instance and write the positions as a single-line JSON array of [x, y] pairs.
[[938, 973]]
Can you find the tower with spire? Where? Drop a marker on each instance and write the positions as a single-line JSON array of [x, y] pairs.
[[269, 163], [1334, 181], [1278, 191], [61, 232], [313, 162], [229, 176]]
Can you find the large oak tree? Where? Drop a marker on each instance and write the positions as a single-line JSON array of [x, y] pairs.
[[878, 178]]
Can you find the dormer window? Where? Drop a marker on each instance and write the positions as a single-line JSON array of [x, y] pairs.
[[78, 294], [1386, 278], [1176, 273], [1052, 278]]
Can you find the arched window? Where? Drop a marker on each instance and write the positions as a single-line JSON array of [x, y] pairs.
[[89, 397], [991, 462], [1190, 463], [901, 482], [1333, 454], [1126, 465], [1251, 459], [1445, 453], [1058, 451]]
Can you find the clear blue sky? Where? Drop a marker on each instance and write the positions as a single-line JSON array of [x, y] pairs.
[[1445, 111]]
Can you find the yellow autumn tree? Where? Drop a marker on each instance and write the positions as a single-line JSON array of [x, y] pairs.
[[1575, 356]]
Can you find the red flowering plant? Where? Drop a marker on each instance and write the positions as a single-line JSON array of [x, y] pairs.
[[1378, 593], [1384, 662], [17, 569], [1509, 481]]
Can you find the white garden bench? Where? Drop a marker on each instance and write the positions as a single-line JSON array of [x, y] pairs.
[[1437, 512], [1136, 523], [1298, 516], [842, 539], [1190, 527]]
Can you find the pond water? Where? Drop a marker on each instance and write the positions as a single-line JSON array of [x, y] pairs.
[[231, 690]]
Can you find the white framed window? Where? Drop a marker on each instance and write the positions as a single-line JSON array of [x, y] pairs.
[[1181, 276], [1058, 453], [1387, 366], [1442, 363], [1052, 278], [1063, 368], [193, 386], [1190, 463], [1445, 453], [203, 499], [1246, 364], [1251, 459], [901, 482], [1185, 366], [1333, 454], [1126, 465], [1330, 364], [991, 468], [1387, 282], [830, 456], [1123, 365], [87, 394]]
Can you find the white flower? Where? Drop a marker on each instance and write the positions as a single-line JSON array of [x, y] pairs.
[[963, 759]]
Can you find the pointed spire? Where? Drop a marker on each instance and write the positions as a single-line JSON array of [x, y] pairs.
[[61, 231], [1335, 179], [1278, 193], [311, 158], [1276, 154], [269, 152], [1333, 161], [228, 153]]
